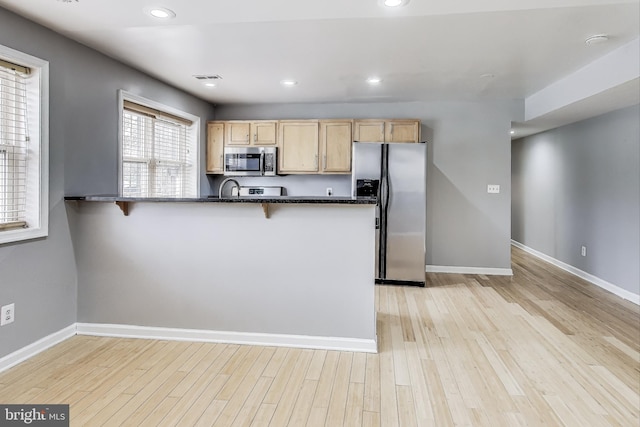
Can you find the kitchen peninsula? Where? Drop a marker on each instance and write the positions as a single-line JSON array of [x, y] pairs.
[[220, 270]]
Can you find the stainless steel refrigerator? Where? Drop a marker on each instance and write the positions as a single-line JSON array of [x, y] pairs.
[[396, 174]]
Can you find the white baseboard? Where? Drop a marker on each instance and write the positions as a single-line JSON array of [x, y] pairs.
[[31, 350], [173, 334], [469, 270], [622, 293], [274, 340]]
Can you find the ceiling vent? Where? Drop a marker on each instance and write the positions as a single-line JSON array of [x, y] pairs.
[[208, 77]]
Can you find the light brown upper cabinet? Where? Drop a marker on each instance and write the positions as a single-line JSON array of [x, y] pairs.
[[298, 146], [260, 132], [402, 131], [368, 131], [387, 131], [335, 146], [215, 147]]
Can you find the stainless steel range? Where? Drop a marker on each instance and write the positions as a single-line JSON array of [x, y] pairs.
[[258, 191]]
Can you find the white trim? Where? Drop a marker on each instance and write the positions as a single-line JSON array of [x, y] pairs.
[[41, 345], [614, 289], [469, 270], [39, 132], [274, 340], [123, 95]]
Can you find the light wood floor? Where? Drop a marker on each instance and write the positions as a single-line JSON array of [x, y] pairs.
[[540, 348]]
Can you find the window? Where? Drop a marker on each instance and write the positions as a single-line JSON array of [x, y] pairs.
[[158, 150], [23, 146]]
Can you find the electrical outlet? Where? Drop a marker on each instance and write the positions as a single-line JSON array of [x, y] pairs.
[[493, 188], [329, 191], [583, 251], [8, 314]]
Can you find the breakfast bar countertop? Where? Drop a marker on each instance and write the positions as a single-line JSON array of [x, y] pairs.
[[232, 199]]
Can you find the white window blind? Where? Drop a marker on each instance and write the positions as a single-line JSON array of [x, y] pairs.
[[156, 154], [14, 140]]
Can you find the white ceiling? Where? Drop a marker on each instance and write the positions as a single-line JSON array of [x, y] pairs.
[[428, 50]]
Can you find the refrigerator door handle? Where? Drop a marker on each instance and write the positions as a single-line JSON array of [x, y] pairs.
[[378, 207], [383, 194], [384, 209]]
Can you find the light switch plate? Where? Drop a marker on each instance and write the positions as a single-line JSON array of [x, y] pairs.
[[493, 188]]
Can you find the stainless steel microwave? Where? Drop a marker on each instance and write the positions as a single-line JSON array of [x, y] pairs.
[[250, 161]]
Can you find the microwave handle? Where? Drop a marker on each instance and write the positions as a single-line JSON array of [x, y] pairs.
[[262, 163]]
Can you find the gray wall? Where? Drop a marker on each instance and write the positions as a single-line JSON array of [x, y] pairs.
[[580, 185], [40, 276], [469, 147]]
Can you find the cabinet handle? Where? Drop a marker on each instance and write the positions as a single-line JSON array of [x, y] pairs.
[[316, 161], [391, 132], [255, 137], [324, 161], [222, 159]]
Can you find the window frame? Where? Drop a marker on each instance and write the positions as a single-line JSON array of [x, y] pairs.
[[37, 199], [194, 134]]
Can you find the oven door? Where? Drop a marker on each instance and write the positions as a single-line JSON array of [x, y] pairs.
[[243, 162]]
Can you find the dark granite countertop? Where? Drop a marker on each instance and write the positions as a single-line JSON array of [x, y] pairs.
[[214, 199]]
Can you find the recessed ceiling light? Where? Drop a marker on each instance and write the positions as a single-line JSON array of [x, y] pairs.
[[161, 13], [210, 84], [513, 132], [374, 80], [288, 83], [395, 3], [208, 76], [599, 38]]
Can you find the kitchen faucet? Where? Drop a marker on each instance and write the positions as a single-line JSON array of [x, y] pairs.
[[223, 184]]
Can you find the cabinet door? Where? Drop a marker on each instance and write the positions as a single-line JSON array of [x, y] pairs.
[[335, 146], [369, 131], [298, 147], [215, 148], [238, 133], [263, 133], [402, 131]]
